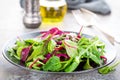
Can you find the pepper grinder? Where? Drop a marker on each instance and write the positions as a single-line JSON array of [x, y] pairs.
[[32, 18]]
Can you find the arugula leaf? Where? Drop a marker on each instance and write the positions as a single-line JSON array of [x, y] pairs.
[[53, 64], [108, 69], [94, 58], [92, 50], [95, 51]]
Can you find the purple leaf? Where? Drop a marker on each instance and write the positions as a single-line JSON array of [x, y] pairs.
[[53, 31], [79, 36], [62, 56], [24, 53], [48, 56], [104, 59], [59, 42]]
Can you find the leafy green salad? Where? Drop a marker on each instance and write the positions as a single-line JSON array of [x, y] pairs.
[[59, 51]]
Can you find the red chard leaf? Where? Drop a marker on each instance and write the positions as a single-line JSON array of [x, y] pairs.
[[25, 53]]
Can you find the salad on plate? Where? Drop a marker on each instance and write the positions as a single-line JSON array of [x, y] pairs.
[[59, 51]]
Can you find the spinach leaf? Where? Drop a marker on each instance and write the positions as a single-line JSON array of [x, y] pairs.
[[74, 64], [53, 64], [65, 64]]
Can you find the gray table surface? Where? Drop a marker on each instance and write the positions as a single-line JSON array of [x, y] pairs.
[[11, 25]]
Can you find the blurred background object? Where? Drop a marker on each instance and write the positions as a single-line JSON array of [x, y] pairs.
[[97, 6], [52, 11], [31, 18]]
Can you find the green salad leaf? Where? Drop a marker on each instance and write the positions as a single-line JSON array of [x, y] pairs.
[[87, 65], [51, 45], [71, 48], [74, 64], [36, 51], [53, 64], [108, 69]]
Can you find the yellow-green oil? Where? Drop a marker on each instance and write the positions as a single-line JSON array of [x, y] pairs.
[[52, 11]]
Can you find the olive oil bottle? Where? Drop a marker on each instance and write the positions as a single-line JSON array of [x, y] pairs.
[[52, 11]]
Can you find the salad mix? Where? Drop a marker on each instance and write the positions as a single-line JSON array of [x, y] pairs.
[[59, 51]]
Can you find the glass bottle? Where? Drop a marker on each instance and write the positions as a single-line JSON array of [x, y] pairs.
[[52, 11]]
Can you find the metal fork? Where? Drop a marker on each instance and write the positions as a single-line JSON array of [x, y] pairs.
[[78, 16]]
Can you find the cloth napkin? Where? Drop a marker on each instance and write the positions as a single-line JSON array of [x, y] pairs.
[[97, 6]]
